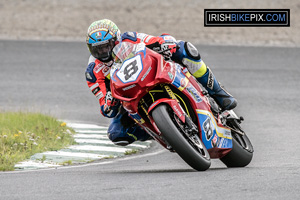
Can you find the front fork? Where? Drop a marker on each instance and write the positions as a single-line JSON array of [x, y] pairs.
[[169, 98], [182, 121]]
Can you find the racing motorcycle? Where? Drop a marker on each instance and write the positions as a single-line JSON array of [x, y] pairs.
[[168, 102]]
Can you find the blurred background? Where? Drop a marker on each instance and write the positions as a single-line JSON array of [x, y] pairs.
[[49, 77], [69, 20]]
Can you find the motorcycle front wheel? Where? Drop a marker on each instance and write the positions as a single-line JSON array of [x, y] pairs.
[[194, 155]]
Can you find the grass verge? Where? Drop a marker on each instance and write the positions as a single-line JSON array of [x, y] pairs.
[[24, 134], [130, 152]]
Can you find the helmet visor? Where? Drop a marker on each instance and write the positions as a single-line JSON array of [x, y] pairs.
[[102, 51]]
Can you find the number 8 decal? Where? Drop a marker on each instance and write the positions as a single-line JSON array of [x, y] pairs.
[[130, 69]]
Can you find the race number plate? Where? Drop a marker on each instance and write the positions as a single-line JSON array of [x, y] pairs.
[[130, 70]]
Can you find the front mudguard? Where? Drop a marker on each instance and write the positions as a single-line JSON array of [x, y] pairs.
[[174, 105]]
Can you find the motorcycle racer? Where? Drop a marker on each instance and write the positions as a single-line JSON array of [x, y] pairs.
[[102, 36]]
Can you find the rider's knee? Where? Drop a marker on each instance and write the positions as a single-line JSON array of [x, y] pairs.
[[188, 56], [191, 51], [185, 50]]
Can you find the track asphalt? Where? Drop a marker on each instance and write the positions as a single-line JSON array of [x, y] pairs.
[[49, 77]]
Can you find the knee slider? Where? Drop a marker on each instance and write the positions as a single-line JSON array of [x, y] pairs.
[[191, 51]]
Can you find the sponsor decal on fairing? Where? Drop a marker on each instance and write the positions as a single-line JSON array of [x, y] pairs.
[[194, 93], [146, 74], [214, 141], [129, 87], [180, 79], [178, 112]]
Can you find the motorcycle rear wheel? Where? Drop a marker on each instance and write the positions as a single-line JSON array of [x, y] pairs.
[[179, 143], [241, 153]]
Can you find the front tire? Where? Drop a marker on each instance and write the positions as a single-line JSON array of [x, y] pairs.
[[199, 160]]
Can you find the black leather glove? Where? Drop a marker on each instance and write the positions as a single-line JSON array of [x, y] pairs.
[[164, 49]]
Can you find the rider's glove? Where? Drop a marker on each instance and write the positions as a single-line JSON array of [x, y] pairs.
[[165, 51], [111, 103]]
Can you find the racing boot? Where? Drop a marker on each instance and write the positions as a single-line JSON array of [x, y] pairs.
[[188, 56], [225, 100]]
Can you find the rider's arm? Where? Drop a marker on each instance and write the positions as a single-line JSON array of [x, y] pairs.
[[156, 43], [135, 37], [97, 78]]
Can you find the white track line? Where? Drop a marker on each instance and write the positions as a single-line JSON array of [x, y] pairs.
[[75, 154], [87, 165], [99, 148], [90, 136], [91, 141], [32, 163], [91, 131], [92, 126]]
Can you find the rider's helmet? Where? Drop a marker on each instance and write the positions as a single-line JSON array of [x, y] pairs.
[[101, 39]]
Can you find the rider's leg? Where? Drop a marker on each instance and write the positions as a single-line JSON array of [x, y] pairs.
[[189, 56], [123, 136]]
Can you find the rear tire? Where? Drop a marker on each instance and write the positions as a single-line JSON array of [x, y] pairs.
[[179, 143], [239, 156]]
